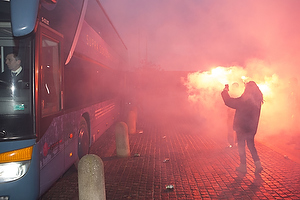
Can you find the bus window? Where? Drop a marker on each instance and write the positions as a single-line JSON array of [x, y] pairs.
[[50, 76], [15, 85]]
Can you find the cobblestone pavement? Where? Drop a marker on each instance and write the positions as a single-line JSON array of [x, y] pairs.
[[197, 164], [182, 153]]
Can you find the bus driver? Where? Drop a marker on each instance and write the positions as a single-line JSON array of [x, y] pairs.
[[15, 75]]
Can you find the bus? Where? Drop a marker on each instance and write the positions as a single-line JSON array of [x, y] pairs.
[[71, 92]]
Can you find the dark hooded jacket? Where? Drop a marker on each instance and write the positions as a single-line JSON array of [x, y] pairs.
[[247, 112]]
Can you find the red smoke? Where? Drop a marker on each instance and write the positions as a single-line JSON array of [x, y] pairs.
[[281, 108]]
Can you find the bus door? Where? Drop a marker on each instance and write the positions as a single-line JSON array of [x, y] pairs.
[[49, 103]]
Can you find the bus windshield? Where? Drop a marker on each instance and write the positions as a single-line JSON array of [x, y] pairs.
[[16, 118]]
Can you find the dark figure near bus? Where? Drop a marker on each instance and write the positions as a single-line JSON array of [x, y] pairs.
[[247, 112], [15, 75]]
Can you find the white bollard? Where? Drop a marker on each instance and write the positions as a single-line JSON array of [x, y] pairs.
[[122, 141], [91, 184], [132, 117]]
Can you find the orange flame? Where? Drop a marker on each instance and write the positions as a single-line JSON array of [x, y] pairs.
[[281, 109]]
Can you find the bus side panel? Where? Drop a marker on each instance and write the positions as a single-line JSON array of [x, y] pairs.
[[51, 172], [71, 152], [26, 187], [59, 145], [109, 114], [51, 156], [71, 123], [52, 148]]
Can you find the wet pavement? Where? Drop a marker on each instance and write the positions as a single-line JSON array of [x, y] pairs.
[[195, 163]]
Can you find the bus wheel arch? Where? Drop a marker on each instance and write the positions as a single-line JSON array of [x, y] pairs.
[[83, 137]]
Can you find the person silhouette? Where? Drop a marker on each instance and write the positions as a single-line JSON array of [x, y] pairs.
[[247, 112]]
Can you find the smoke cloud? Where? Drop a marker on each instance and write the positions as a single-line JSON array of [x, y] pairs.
[[280, 111], [248, 40], [195, 35]]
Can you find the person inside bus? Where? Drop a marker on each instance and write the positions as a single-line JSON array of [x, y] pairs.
[[247, 112], [15, 75]]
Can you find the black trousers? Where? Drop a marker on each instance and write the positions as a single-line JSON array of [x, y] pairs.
[[242, 138]]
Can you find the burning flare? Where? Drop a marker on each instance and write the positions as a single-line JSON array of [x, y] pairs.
[[281, 108]]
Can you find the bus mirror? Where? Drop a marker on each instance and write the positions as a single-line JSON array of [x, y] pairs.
[[23, 23]]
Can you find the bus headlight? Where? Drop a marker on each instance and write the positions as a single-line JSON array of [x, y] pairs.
[[13, 171], [14, 164]]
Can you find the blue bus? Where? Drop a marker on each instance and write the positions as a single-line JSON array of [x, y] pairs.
[[72, 61]]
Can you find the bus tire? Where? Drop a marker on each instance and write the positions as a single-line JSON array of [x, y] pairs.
[[83, 140]]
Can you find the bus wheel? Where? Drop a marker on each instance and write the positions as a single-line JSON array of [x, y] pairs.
[[83, 140]]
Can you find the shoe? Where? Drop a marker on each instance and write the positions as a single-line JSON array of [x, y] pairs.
[[242, 168], [258, 167]]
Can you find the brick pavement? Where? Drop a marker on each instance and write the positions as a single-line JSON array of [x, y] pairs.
[[197, 164]]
